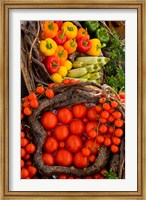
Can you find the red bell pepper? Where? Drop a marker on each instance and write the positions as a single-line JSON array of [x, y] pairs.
[[59, 23], [84, 44], [52, 64], [60, 38]]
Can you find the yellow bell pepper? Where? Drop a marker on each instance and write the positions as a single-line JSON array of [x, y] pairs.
[[68, 65], [95, 49], [48, 47], [57, 77], [70, 30], [62, 71]]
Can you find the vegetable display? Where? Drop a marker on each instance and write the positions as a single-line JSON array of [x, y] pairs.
[[72, 123]]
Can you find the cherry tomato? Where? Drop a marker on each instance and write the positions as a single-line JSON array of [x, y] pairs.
[[119, 123], [49, 120], [92, 133], [100, 138], [118, 132], [98, 176], [73, 143], [107, 142], [48, 159], [116, 140], [98, 109], [24, 142], [23, 152], [117, 114], [63, 157], [62, 176], [114, 104], [106, 106], [50, 145], [30, 148], [22, 163], [86, 151], [91, 144], [92, 114], [24, 173], [103, 129], [79, 160], [40, 89], [77, 127], [122, 95], [79, 111], [105, 114], [61, 132], [61, 145], [32, 171], [65, 115], [114, 148], [111, 129], [91, 125], [92, 158]]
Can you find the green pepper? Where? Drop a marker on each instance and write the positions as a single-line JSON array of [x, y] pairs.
[[103, 35], [91, 26]]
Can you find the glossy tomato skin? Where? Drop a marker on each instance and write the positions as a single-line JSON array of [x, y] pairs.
[[49, 120], [61, 132], [92, 114], [50, 145], [77, 127], [48, 159], [64, 115], [91, 125], [63, 157], [79, 111], [73, 143], [79, 160]]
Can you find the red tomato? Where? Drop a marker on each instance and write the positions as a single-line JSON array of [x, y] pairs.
[[92, 158], [49, 120], [32, 171], [62, 176], [50, 145], [91, 125], [79, 160], [61, 132], [73, 143], [63, 158], [92, 146], [48, 159], [122, 95], [77, 127], [98, 176], [92, 114], [24, 173], [79, 111], [92, 133], [65, 115]]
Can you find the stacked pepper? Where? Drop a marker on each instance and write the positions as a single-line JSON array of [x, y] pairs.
[[59, 39]]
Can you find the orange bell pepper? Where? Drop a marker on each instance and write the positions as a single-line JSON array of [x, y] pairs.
[[70, 46], [61, 54], [50, 29], [82, 33]]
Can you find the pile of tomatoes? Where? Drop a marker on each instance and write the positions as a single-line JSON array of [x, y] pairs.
[[75, 134], [27, 150]]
